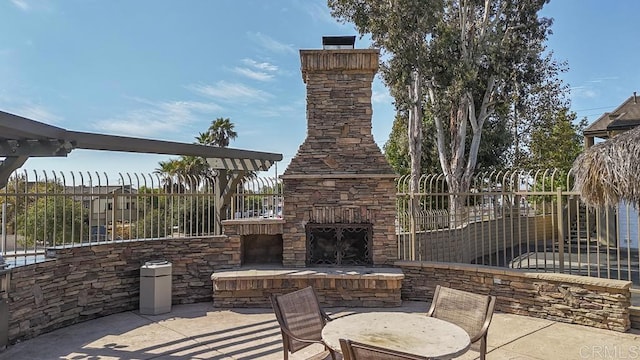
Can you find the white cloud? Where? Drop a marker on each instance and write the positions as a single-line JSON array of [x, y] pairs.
[[231, 92], [603, 79], [589, 89], [34, 5], [21, 4], [271, 44], [156, 118], [261, 71], [583, 92], [319, 12], [381, 97], [252, 74], [30, 111], [277, 111], [260, 65]]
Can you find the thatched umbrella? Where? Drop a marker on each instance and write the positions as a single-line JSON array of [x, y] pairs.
[[609, 172]]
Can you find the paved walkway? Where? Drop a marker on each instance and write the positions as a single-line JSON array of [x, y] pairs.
[[199, 331]]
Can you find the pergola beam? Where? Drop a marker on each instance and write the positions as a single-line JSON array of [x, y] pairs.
[[91, 141], [35, 148]]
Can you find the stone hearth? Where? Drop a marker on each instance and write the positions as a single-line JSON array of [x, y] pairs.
[[357, 286]]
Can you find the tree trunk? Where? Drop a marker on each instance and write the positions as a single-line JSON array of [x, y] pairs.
[[415, 153], [458, 163]]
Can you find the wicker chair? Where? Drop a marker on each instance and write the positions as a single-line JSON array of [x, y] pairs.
[[472, 312], [301, 321], [353, 350]]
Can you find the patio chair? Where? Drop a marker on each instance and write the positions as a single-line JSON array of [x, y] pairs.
[[472, 312], [301, 321], [353, 350]]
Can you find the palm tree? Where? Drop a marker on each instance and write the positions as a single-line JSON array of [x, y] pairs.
[[204, 138], [193, 166], [220, 133], [169, 167]]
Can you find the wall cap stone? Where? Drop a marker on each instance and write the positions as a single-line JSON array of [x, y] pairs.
[[577, 279], [329, 273], [254, 221]]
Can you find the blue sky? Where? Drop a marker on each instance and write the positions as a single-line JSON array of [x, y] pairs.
[[164, 69]]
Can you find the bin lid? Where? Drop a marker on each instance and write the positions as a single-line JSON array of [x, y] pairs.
[[155, 268], [157, 263]]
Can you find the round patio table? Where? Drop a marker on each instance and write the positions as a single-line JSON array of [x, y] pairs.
[[412, 333]]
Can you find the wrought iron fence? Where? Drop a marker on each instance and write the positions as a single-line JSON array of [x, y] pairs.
[[518, 219], [41, 210], [46, 209], [258, 198]]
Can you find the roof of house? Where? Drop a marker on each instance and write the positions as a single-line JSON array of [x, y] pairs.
[[624, 117]]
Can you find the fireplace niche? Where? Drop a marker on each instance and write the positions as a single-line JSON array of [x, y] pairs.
[[259, 249]]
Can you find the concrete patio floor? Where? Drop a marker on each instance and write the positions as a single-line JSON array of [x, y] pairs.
[[200, 331]]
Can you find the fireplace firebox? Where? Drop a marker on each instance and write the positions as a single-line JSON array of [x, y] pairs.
[[339, 244]]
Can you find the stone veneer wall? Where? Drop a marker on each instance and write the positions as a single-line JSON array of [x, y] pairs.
[[87, 282], [339, 166], [595, 302]]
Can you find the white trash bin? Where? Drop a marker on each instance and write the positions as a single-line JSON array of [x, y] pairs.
[[155, 287]]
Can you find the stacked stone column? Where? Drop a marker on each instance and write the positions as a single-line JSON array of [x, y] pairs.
[[339, 165]]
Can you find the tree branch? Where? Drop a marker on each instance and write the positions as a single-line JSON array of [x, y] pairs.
[[440, 140], [486, 101]]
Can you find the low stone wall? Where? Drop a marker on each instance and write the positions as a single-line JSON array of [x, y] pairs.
[[357, 287], [86, 282], [594, 302]]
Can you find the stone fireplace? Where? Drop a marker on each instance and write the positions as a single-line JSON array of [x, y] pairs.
[[337, 233], [339, 190]]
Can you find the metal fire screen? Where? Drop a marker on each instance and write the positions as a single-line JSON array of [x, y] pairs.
[[339, 244]]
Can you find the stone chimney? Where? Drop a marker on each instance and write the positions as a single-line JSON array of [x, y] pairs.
[[339, 175], [339, 138]]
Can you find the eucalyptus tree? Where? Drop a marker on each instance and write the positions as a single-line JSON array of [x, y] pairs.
[[463, 54], [396, 149], [534, 107], [494, 152]]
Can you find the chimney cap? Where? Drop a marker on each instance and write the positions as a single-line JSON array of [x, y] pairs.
[[338, 42]]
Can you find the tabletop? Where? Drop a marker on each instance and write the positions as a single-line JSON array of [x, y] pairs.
[[412, 333]]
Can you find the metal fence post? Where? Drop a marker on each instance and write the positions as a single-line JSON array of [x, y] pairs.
[[412, 224], [560, 225]]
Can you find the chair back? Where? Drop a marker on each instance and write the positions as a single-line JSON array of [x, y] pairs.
[[470, 311], [299, 313], [353, 350]]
